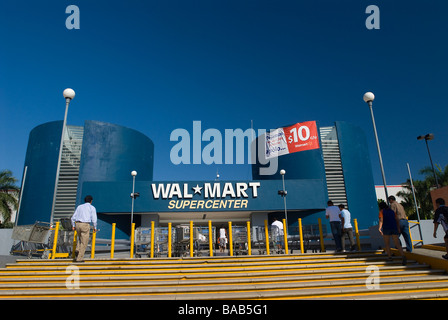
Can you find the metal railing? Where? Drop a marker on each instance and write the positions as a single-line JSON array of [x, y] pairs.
[[189, 240]]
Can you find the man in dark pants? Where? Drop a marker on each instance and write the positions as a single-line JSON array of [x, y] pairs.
[[441, 217], [334, 215]]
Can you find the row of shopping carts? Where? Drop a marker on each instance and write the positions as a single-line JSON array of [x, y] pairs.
[[180, 240], [36, 241], [311, 238]]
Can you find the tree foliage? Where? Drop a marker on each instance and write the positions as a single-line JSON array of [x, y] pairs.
[[8, 195], [422, 190]]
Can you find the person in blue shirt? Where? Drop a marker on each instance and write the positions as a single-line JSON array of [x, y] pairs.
[[389, 226], [81, 219], [347, 228]]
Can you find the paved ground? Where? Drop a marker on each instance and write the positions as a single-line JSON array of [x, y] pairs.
[[4, 259], [430, 253]]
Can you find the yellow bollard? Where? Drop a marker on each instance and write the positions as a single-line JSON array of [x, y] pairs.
[[355, 222], [169, 240], [74, 245], [55, 240], [112, 244], [230, 239], [249, 243], [132, 240], [191, 240], [152, 239], [302, 249], [322, 247], [210, 237], [266, 234], [92, 251], [285, 235]]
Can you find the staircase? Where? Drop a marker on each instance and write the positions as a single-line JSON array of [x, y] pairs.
[[69, 172], [333, 165], [305, 276]]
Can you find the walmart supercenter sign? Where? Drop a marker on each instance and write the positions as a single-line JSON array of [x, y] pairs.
[[207, 195]]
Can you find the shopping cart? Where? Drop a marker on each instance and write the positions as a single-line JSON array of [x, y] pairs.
[[33, 240], [142, 241], [66, 236], [182, 244], [258, 236], [278, 239], [294, 240], [64, 245], [239, 239], [202, 241], [161, 240], [311, 236]]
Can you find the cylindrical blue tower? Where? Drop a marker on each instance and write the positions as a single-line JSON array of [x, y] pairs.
[[41, 160], [109, 153]]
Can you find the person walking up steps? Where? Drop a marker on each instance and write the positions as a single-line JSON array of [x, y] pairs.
[[347, 228], [81, 219]]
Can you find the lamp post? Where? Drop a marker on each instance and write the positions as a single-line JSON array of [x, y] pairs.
[[283, 193], [368, 98], [68, 94], [427, 137], [133, 195]]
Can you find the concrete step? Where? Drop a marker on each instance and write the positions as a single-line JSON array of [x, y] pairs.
[[308, 276], [195, 270], [182, 281], [304, 290]]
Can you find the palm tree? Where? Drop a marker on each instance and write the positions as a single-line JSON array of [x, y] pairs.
[[422, 193], [8, 195], [423, 196], [442, 175]]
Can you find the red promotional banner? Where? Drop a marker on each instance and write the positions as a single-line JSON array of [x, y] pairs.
[[299, 137]]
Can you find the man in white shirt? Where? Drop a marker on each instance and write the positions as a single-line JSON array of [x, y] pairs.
[[333, 213], [84, 214], [278, 233]]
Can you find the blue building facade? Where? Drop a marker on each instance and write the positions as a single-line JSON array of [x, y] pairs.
[[339, 170], [41, 161]]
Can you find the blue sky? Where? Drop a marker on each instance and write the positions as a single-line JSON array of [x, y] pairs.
[[156, 66]]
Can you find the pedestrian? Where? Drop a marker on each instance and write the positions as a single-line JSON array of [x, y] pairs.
[[441, 217], [222, 238], [347, 228], [389, 226], [404, 224], [334, 215], [81, 219], [278, 233]]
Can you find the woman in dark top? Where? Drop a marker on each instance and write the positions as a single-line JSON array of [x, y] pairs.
[[388, 227]]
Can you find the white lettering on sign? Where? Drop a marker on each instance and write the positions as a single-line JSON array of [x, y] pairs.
[[211, 190]]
